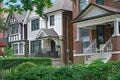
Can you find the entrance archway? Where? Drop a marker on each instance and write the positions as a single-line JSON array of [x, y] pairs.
[[53, 46]]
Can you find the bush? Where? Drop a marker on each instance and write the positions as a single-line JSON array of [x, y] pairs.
[[95, 71], [6, 63], [63, 73], [30, 71]]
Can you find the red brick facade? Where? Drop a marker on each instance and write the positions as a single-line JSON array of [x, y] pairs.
[[67, 42]]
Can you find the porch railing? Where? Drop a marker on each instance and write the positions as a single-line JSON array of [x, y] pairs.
[[46, 52], [91, 48], [107, 47], [104, 51]]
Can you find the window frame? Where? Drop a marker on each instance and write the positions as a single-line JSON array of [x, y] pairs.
[[35, 24], [14, 29], [52, 20], [33, 44]]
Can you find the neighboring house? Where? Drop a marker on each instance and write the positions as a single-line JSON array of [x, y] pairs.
[[99, 19], [16, 33], [2, 39]]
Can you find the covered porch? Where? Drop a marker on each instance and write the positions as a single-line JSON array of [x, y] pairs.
[[50, 44], [102, 22]]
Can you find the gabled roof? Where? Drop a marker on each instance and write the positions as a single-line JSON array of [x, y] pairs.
[[106, 11], [20, 17], [47, 33], [60, 5]]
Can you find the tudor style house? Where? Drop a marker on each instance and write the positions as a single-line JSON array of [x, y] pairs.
[[16, 33], [97, 26]]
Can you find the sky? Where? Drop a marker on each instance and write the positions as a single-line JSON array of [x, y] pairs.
[[7, 0]]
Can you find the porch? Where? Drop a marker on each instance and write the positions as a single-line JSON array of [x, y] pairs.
[[46, 52], [104, 33]]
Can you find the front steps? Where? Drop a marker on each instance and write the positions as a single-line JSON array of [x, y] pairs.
[[57, 62]]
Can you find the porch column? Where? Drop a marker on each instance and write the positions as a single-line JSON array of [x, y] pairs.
[[116, 42], [116, 28], [78, 34]]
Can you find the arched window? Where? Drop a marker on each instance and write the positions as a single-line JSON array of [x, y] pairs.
[[100, 2]]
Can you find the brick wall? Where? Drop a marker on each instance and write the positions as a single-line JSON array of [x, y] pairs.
[[67, 16], [111, 3], [1, 34]]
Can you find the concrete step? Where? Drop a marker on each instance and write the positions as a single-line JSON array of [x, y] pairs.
[[57, 62]]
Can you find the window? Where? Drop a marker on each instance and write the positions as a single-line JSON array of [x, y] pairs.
[[18, 48], [35, 24], [35, 46], [14, 29], [100, 2], [52, 20], [83, 4], [84, 32], [21, 48], [15, 49]]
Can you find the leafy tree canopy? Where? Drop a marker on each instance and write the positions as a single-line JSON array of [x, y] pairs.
[[24, 5]]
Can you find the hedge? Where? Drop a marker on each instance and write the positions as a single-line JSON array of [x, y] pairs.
[[6, 63], [95, 71]]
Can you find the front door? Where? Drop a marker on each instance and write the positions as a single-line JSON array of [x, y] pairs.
[[100, 35], [53, 46]]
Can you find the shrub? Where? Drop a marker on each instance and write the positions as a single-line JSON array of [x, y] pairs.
[[95, 71], [63, 73], [6, 63], [30, 71]]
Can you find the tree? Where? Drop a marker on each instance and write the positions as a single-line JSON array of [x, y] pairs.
[[24, 5]]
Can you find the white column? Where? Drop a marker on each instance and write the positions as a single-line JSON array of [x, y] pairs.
[[78, 34], [116, 28]]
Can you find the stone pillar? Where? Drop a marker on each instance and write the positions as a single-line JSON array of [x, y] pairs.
[[116, 42]]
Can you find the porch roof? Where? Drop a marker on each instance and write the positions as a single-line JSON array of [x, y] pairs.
[[47, 33], [94, 11]]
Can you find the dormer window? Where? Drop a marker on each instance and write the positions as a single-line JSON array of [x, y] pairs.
[[83, 4], [101, 2], [52, 20], [35, 24], [14, 29]]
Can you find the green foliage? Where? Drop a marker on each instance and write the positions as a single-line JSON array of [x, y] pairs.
[[7, 63], [2, 23], [30, 71], [96, 71], [63, 73], [8, 51], [24, 5]]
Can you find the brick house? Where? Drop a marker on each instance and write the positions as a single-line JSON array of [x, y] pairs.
[[2, 39], [96, 30]]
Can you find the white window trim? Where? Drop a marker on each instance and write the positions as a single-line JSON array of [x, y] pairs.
[[18, 48]]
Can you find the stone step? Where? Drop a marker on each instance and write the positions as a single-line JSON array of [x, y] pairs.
[[57, 62]]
